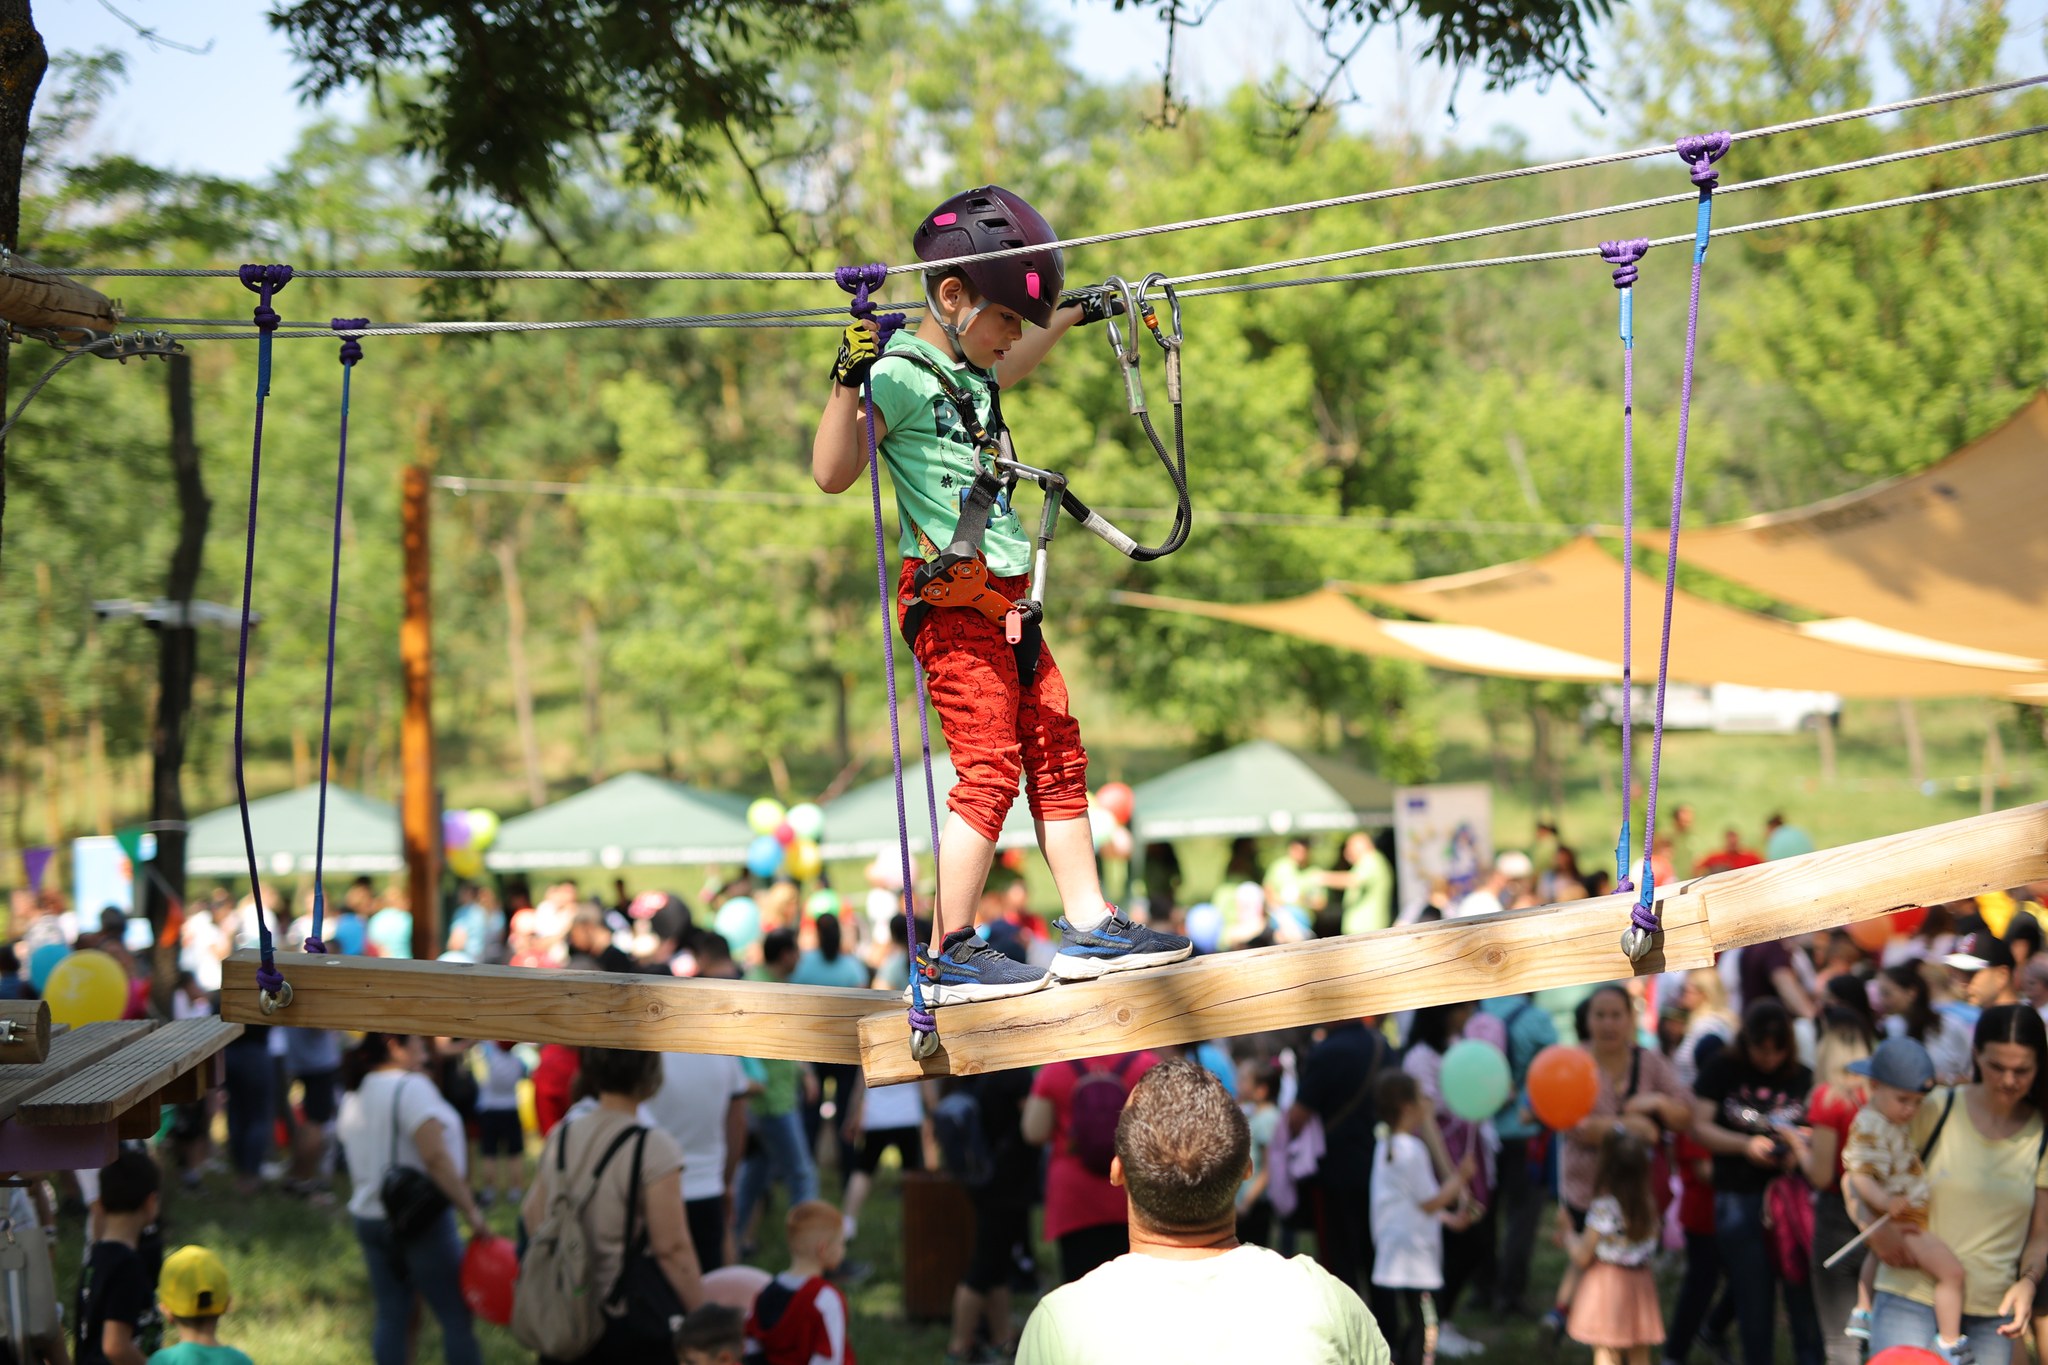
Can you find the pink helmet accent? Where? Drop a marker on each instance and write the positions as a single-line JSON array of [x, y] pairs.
[[995, 219]]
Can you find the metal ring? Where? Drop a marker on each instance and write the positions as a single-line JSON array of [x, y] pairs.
[[271, 1004], [924, 1046]]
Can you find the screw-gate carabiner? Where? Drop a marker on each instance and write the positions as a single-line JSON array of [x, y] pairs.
[[1127, 357], [1169, 342]]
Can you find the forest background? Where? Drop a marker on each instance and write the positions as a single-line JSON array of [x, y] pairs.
[[726, 634]]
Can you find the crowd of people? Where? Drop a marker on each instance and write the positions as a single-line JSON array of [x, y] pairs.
[[1750, 1120]]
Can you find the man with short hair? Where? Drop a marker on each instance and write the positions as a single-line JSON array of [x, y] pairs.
[[1189, 1292], [1512, 874], [2034, 982], [1984, 966]]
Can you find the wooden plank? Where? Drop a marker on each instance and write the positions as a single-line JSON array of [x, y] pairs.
[[141, 1121], [26, 1150], [27, 1024], [52, 301], [193, 1086], [602, 1009], [1311, 983], [1224, 995], [1859, 881], [110, 1087], [70, 1051]]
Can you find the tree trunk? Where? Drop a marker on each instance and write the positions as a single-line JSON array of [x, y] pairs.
[[163, 891], [842, 716], [23, 60], [592, 649], [507, 555], [50, 706], [1916, 751]]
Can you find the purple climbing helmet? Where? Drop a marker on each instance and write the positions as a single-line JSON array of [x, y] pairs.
[[995, 219]]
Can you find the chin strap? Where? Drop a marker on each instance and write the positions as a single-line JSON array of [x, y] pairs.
[[953, 331]]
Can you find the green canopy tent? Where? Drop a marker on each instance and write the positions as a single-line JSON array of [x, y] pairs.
[[1259, 788], [632, 820], [862, 823], [362, 835]]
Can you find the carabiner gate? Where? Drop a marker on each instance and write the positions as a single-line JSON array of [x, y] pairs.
[[1169, 342], [1127, 357]]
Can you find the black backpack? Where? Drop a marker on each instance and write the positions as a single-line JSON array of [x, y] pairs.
[[964, 1149]]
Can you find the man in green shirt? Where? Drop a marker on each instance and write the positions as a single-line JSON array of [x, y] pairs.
[[1368, 886]]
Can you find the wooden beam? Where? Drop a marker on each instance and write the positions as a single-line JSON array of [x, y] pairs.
[[25, 1024], [1296, 985], [581, 1009], [193, 1086], [105, 1090], [1224, 995], [419, 808], [51, 301], [141, 1121], [70, 1052]]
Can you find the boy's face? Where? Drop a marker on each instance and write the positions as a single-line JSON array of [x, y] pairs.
[[991, 336], [1898, 1106]]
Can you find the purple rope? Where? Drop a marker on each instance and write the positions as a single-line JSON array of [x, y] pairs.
[[861, 281], [924, 730], [1623, 256], [1699, 153], [263, 281], [351, 352]]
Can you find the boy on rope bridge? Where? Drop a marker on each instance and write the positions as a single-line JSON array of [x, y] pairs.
[[1001, 701]]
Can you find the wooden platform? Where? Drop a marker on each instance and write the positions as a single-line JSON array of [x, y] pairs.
[[100, 1083], [607, 1009], [1219, 996]]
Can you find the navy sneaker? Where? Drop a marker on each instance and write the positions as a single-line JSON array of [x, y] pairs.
[[966, 969], [1115, 945]]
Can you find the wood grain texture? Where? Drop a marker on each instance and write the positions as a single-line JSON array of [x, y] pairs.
[[31, 1021], [40, 301], [117, 1083], [1858, 881], [1228, 994], [70, 1052], [140, 1123], [601, 1009]]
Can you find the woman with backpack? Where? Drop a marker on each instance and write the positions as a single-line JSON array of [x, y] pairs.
[[1074, 1107], [407, 1155], [610, 1269]]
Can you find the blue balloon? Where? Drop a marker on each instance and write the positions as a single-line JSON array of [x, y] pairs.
[[1205, 927], [43, 961], [738, 923], [764, 856]]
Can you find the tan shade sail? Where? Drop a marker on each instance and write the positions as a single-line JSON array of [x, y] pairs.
[[1957, 552], [1570, 599], [1331, 618]]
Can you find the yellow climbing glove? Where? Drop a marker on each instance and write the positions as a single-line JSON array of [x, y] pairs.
[[860, 345]]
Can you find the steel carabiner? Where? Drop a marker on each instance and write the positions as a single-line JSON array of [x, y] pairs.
[[1127, 357], [1169, 342]]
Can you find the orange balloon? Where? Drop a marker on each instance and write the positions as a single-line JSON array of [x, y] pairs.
[[1872, 934], [1563, 1085], [1907, 922]]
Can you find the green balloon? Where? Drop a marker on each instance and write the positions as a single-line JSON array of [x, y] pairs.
[[1475, 1080]]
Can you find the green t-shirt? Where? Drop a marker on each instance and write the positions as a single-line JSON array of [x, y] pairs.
[[930, 456], [1369, 900], [1247, 1304], [778, 1081], [192, 1353]]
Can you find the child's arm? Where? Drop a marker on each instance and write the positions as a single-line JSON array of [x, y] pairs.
[[1871, 1194], [1252, 1194], [1582, 1248], [117, 1344], [839, 452], [1447, 1194], [1033, 345]]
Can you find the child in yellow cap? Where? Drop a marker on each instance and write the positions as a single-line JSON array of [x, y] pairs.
[[193, 1288]]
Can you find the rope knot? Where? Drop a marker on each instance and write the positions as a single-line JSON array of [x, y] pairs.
[[264, 281], [1623, 256], [314, 945], [351, 347], [1700, 152], [861, 281], [269, 980]]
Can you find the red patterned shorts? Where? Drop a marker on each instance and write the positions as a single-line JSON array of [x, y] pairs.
[[998, 729]]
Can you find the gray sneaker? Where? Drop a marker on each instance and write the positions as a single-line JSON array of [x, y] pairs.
[[966, 969], [1115, 945]]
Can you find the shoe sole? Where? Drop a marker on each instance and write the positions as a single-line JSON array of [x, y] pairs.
[[937, 996], [1068, 967]]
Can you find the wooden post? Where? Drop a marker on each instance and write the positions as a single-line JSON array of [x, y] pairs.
[[1916, 751], [52, 302], [419, 819]]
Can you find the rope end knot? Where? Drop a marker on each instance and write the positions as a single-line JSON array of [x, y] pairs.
[[1623, 255], [861, 281], [1700, 152], [264, 281], [351, 347]]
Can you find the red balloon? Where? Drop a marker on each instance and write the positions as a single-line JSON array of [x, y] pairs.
[[1907, 922], [1872, 934], [1118, 800], [489, 1269], [1905, 1355], [1563, 1085], [785, 834]]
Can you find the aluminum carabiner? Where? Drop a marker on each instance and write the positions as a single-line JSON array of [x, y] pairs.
[[1169, 342], [1126, 356]]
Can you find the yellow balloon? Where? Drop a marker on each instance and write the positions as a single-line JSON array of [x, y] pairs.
[[483, 828], [804, 861], [529, 1113], [466, 862], [87, 987]]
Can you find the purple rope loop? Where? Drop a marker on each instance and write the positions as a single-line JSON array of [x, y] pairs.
[[351, 347], [1623, 256], [264, 281], [1700, 152], [860, 280], [1644, 917]]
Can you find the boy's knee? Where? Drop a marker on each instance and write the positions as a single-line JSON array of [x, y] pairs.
[[985, 791]]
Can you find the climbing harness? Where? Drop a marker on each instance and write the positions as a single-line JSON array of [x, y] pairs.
[[264, 281], [351, 352], [1700, 154], [956, 575]]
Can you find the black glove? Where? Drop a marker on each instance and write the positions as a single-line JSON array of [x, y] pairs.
[[859, 349], [1095, 306]]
